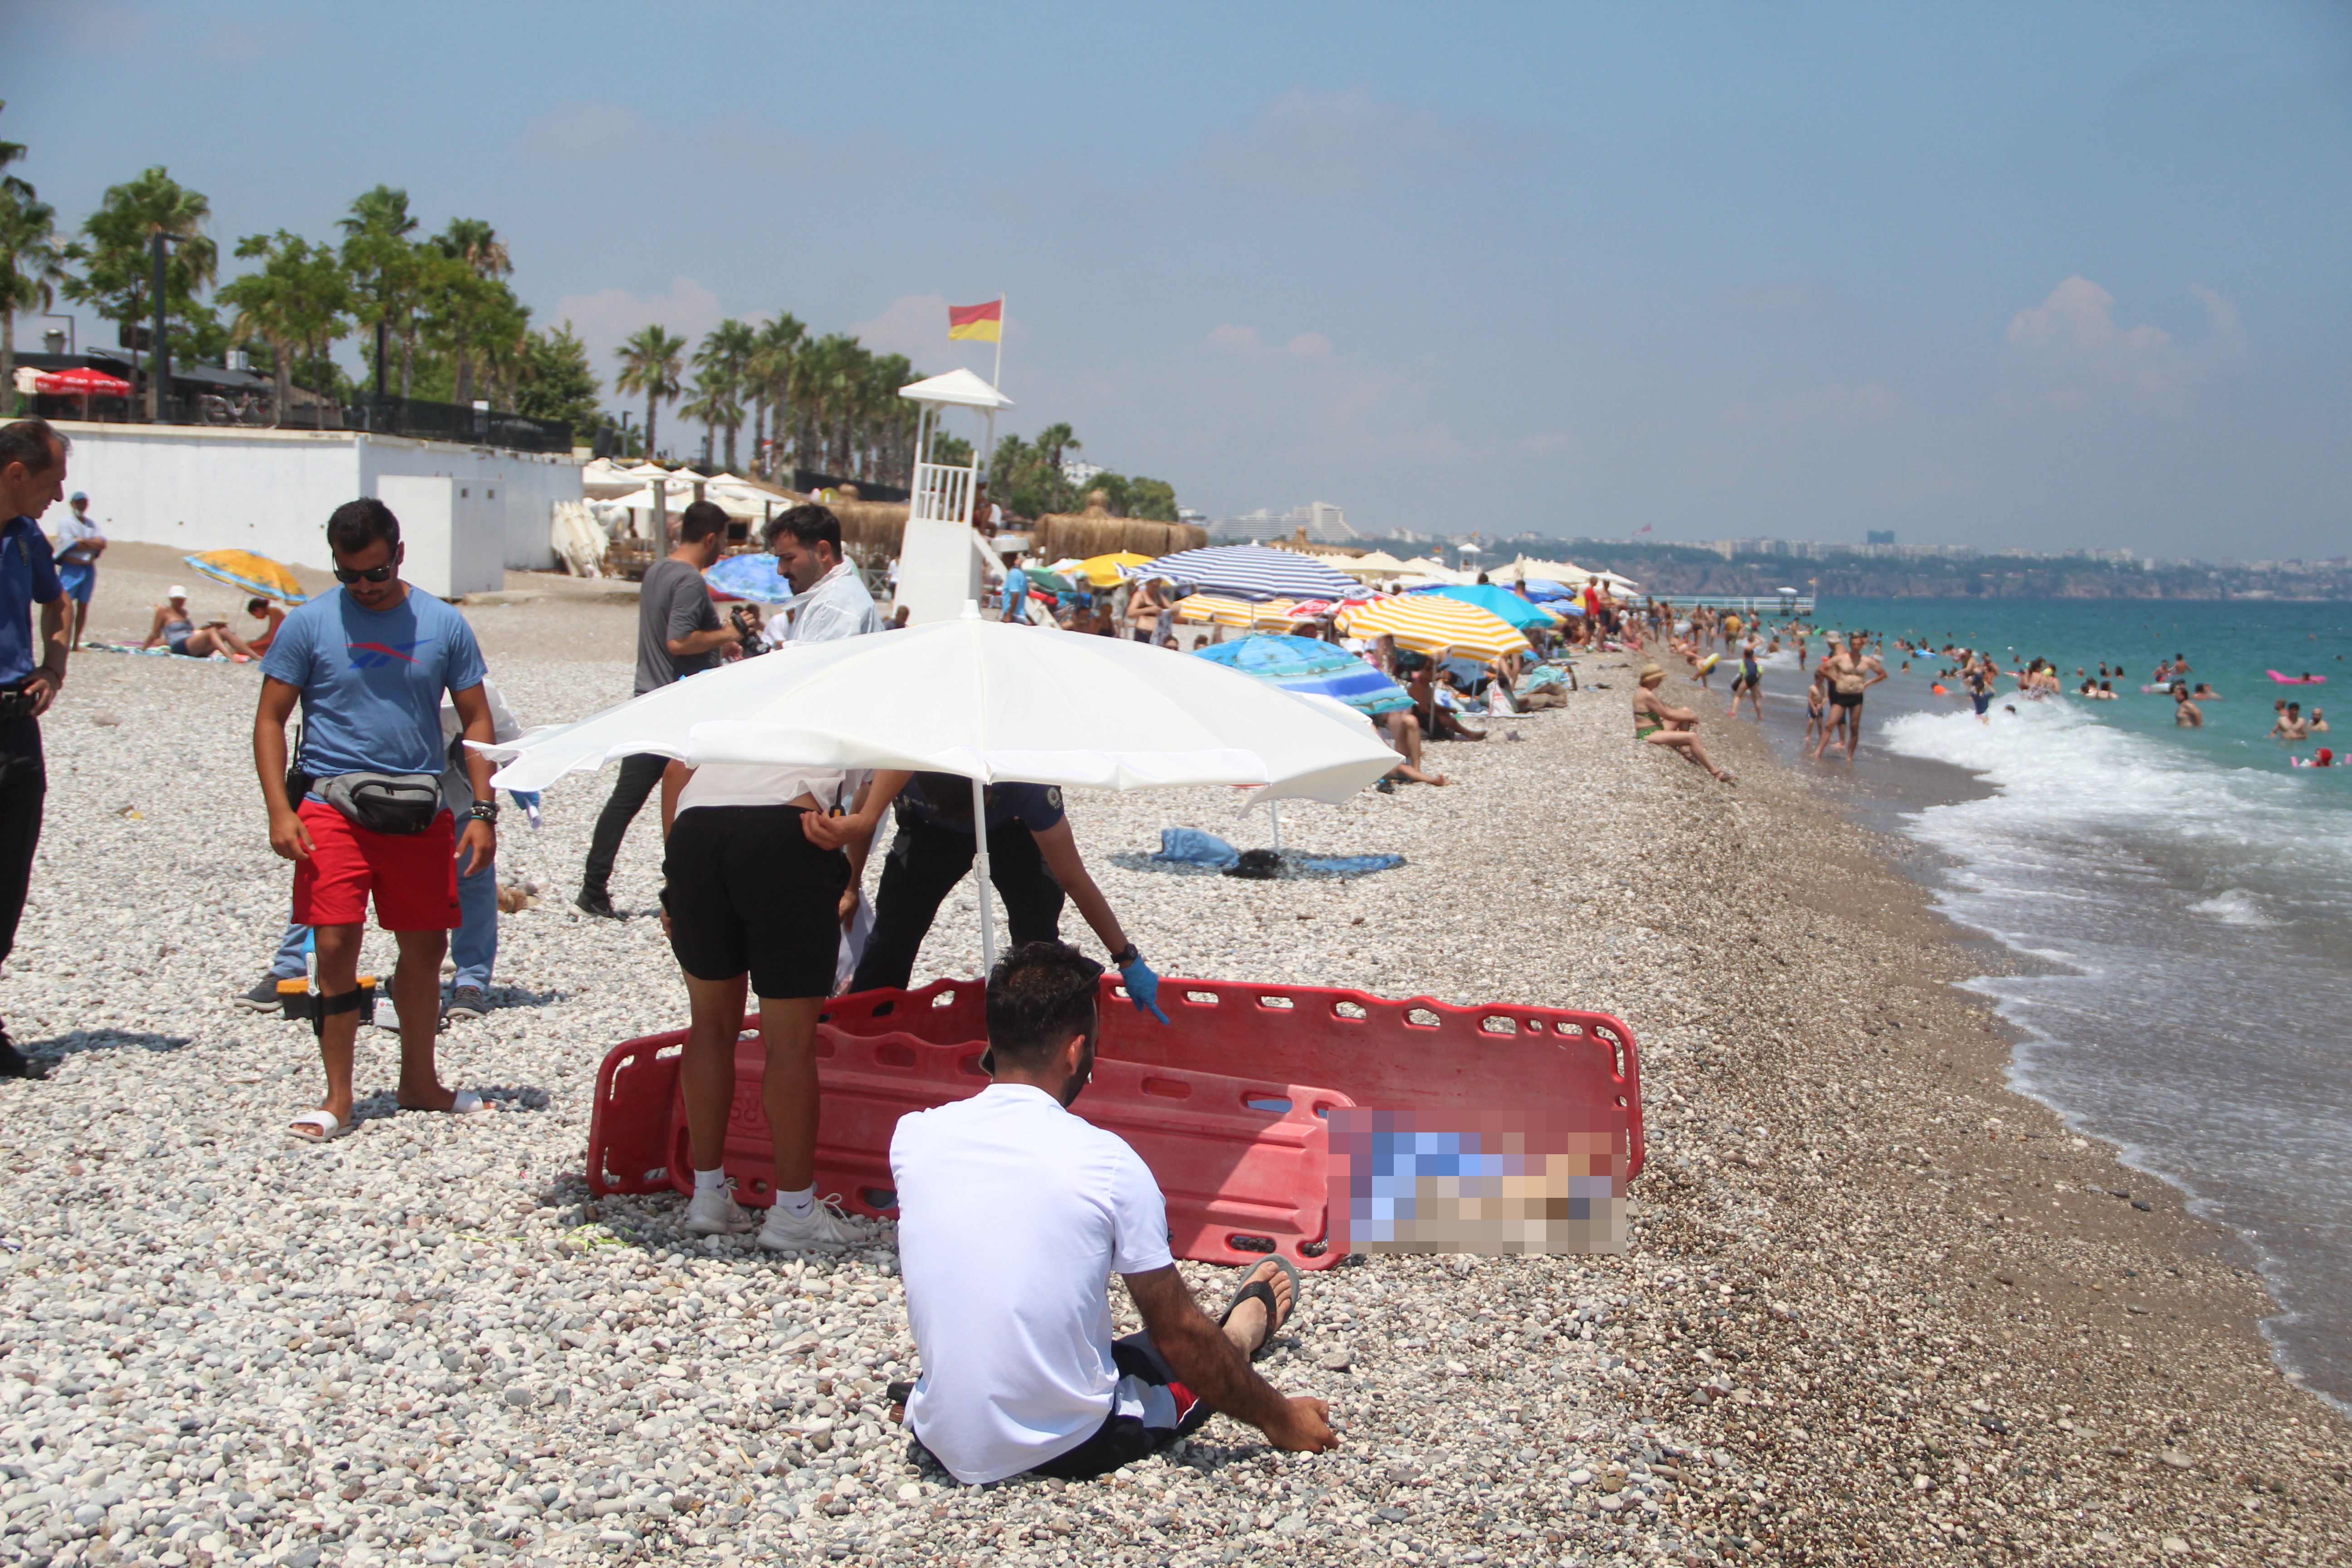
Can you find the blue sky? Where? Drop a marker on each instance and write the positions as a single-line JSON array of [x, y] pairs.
[[2053, 275]]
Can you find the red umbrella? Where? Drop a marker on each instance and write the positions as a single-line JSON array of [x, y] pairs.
[[81, 382]]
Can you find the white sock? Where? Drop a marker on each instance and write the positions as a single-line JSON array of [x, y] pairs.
[[710, 1181], [799, 1204]]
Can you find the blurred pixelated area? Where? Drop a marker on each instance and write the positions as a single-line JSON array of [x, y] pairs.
[[1494, 1183]]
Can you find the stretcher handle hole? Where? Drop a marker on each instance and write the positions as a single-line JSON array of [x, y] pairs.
[[1250, 1242], [881, 1010], [1282, 1001], [944, 999], [1168, 1087], [760, 1187], [1421, 1018], [1494, 1024], [895, 1054], [1349, 1009], [1206, 998], [1313, 1249], [1268, 1102], [877, 1198]]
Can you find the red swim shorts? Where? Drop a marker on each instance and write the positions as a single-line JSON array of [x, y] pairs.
[[414, 876]]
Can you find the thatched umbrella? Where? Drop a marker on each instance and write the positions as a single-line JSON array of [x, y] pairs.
[[1095, 531]]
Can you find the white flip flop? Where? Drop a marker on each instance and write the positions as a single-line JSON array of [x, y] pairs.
[[466, 1103], [319, 1127]]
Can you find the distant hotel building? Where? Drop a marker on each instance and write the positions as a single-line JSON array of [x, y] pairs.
[[1324, 523]]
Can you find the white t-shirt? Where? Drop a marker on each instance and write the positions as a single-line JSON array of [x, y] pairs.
[[1013, 1215]]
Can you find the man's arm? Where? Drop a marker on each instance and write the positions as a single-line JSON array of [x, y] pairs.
[[1060, 849], [57, 639], [1205, 1362], [479, 843], [288, 837], [694, 642], [854, 830]]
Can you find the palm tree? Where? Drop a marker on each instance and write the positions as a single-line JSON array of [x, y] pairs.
[[473, 241], [768, 371], [652, 360], [10, 153], [114, 253], [298, 303], [29, 269], [385, 270], [476, 322], [719, 366]]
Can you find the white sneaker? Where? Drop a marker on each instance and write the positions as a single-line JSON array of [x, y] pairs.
[[716, 1212], [824, 1225]]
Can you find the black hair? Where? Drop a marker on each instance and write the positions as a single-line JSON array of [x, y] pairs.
[[1039, 995], [256, 606], [360, 523], [35, 443], [810, 524], [700, 520]]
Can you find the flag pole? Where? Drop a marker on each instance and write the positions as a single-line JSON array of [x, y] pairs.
[[997, 380]]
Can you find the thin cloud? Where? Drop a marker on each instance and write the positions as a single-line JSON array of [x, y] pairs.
[[587, 132], [2072, 355], [1327, 144], [607, 316]]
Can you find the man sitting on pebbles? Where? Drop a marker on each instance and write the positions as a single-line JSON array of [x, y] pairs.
[[1013, 1215]]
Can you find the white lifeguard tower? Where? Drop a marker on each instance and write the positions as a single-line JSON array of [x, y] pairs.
[[942, 563]]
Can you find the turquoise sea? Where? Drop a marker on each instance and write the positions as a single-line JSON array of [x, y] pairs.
[[2188, 891]]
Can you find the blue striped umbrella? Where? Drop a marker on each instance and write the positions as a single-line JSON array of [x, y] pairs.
[[1303, 664], [752, 578], [1254, 571]]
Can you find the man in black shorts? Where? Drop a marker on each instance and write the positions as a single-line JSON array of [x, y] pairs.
[[1851, 671], [1033, 862]]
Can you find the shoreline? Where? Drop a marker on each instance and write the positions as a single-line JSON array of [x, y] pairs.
[[2139, 1318]]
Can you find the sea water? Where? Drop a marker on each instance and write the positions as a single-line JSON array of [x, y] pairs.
[[2186, 891]]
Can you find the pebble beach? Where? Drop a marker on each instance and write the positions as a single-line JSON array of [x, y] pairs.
[[1877, 1308]]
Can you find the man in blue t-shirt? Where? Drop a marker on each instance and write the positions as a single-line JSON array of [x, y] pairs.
[[1033, 862], [368, 663]]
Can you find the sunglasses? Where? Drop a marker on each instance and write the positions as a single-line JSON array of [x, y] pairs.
[[373, 574]]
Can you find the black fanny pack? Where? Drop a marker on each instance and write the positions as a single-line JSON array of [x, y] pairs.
[[399, 804]]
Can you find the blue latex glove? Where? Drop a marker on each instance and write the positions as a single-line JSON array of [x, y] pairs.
[[1143, 988]]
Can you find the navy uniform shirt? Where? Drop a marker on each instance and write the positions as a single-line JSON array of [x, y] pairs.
[[29, 576], [1035, 807]]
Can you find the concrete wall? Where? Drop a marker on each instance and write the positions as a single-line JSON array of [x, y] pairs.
[[196, 488]]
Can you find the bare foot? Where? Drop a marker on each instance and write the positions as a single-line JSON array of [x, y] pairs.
[[1247, 1329]]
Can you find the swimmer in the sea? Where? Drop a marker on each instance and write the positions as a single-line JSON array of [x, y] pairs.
[[2318, 725], [2186, 714]]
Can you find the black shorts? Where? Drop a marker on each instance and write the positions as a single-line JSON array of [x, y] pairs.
[[1846, 699], [747, 892]]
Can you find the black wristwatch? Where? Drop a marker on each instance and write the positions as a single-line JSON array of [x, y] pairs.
[[485, 811], [1125, 956]]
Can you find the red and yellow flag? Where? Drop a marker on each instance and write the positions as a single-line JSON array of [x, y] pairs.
[[985, 322]]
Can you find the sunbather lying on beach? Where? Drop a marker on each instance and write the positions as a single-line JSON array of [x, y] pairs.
[[1404, 734], [1660, 725], [175, 629]]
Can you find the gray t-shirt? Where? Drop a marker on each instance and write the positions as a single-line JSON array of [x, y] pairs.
[[673, 601]]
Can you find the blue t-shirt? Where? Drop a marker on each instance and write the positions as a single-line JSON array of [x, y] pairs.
[[29, 576], [372, 680], [1035, 807]]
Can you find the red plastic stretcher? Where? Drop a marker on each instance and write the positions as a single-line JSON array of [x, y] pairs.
[[1224, 1102]]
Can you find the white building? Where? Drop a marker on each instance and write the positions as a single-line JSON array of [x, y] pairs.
[[1324, 522], [467, 513]]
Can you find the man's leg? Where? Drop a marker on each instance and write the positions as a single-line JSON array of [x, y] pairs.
[[1032, 900], [788, 1093], [339, 970], [24, 785], [707, 1066], [416, 995], [476, 944], [288, 963], [924, 863], [640, 776], [1852, 730]]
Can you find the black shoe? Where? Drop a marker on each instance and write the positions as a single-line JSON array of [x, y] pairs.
[[263, 997], [467, 1002], [14, 1063], [596, 904]]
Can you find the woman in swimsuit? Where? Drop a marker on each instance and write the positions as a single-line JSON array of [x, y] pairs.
[[176, 630], [1656, 724], [1749, 682]]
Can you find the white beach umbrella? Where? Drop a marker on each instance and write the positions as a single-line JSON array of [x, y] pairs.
[[986, 700]]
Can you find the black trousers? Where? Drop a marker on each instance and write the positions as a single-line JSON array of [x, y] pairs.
[[24, 784], [925, 861], [640, 775]]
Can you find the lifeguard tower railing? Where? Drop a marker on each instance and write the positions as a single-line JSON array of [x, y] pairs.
[[942, 492]]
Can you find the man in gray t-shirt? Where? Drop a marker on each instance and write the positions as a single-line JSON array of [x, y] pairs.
[[678, 634]]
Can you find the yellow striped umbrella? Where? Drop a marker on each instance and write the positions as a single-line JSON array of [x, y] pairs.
[[1102, 571], [1432, 624], [1201, 609]]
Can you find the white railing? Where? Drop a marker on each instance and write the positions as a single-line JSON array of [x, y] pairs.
[[942, 493]]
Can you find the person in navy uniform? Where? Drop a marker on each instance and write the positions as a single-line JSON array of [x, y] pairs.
[[1033, 862]]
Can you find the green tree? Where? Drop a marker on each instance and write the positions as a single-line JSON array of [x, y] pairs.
[[10, 152], [385, 267], [1154, 499], [113, 254], [652, 362], [768, 374], [472, 316], [30, 267], [558, 381], [721, 365], [298, 301]]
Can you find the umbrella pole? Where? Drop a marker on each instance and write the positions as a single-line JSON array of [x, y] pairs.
[[980, 871]]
